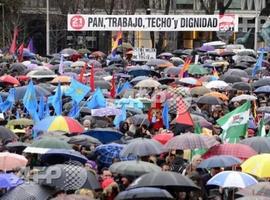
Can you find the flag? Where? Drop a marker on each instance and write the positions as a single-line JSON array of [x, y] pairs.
[[77, 90], [120, 118], [258, 64], [20, 52], [47, 110], [61, 65], [75, 110], [31, 46], [117, 42], [92, 79], [215, 73], [41, 107], [13, 46], [113, 92], [185, 67], [124, 87], [56, 100], [235, 123], [83, 70], [183, 115], [261, 128], [8, 103], [30, 101], [197, 130], [165, 115], [97, 100]]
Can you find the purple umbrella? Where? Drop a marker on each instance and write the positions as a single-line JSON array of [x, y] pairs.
[[108, 111], [9, 180], [206, 48]]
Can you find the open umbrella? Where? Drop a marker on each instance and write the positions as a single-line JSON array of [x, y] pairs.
[[139, 119], [7, 135], [232, 179], [240, 151], [231, 78], [40, 91], [218, 95], [196, 69], [61, 79], [68, 51], [104, 135], [27, 191], [108, 111], [261, 189], [242, 97], [148, 83], [142, 147], [261, 82], [10, 161], [84, 140], [259, 144], [190, 81], [98, 54], [16, 147], [263, 89], [171, 181], [241, 86], [144, 193], [7, 79], [39, 74], [219, 161], [257, 165], [9, 180], [190, 141], [210, 100], [133, 168], [20, 122], [172, 71], [164, 137], [200, 90], [50, 143], [218, 84], [159, 63]]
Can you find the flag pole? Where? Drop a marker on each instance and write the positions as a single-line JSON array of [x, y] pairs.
[[47, 28]]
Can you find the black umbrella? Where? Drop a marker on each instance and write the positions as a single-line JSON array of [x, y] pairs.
[[17, 69], [16, 146], [231, 78], [166, 80], [144, 193], [166, 180], [261, 82], [40, 91], [210, 100], [241, 65], [237, 72], [103, 85], [241, 86], [84, 140], [259, 144], [68, 177], [7, 135], [28, 191]]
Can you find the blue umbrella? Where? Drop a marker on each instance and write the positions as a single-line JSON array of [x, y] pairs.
[[58, 155], [104, 135], [263, 89], [232, 179], [129, 102], [219, 161], [9, 180]]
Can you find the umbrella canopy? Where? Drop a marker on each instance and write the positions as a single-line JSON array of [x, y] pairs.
[[28, 190], [261, 189], [232, 179], [190, 141], [43, 73], [61, 79], [9, 180], [50, 143], [148, 83], [98, 54], [104, 135], [142, 147], [68, 51], [83, 51], [70, 177], [218, 84], [20, 122], [190, 81], [7, 135], [263, 89], [84, 140], [243, 97], [261, 82], [59, 123], [259, 144], [139, 119], [240, 151], [241, 86], [16, 147], [10, 161], [7, 79], [40, 91], [219, 161], [165, 180], [133, 168], [231, 78], [196, 69], [218, 95], [159, 63], [257, 165], [200, 90], [210, 100], [144, 193], [164, 137], [108, 111], [172, 71]]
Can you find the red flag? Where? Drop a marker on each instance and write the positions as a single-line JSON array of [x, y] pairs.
[[185, 67], [183, 116], [113, 89], [13, 46], [92, 79], [20, 52], [83, 70]]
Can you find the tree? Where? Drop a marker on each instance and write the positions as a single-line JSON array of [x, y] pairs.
[[148, 12], [210, 6]]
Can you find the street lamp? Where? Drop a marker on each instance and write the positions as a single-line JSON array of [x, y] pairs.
[[3, 24], [47, 28]]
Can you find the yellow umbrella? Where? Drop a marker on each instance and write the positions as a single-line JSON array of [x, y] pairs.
[[257, 165], [61, 79]]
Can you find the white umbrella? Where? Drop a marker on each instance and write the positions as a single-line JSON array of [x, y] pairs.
[[78, 64], [217, 84], [214, 43], [243, 97], [148, 83]]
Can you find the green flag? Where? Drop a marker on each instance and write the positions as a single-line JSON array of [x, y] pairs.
[[261, 128], [197, 130], [235, 123]]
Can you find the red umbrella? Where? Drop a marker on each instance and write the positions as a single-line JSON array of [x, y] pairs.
[[163, 137], [9, 80], [240, 151]]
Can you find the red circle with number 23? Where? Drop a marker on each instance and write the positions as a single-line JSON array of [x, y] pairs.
[[77, 22]]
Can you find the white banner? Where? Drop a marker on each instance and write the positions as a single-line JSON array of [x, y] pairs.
[[144, 54], [77, 22]]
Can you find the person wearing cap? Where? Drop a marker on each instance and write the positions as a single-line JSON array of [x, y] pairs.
[[110, 189]]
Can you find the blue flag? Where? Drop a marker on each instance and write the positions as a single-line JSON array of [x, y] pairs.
[[31, 46], [124, 87], [120, 118], [77, 90], [56, 100], [47, 110], [41, 107], [75, 110], [258, 64], [165, 115], [30, 101], [8, 103], [97, 100]]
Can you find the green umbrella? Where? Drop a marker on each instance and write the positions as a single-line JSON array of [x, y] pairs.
[[196, 69], [21, 121], [133, 168], [51, 143]]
